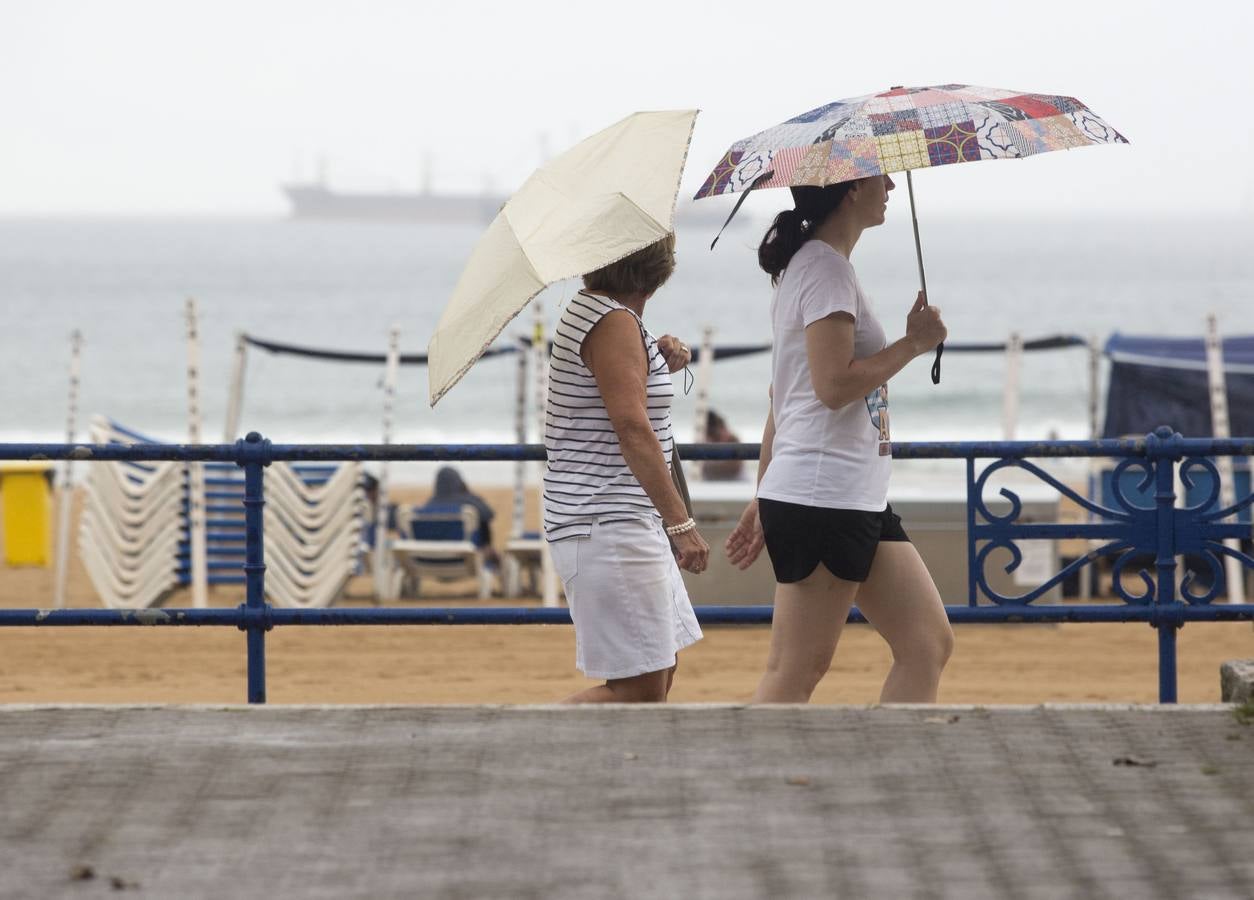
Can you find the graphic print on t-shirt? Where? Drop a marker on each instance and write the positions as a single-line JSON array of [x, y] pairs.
[[877, 407]]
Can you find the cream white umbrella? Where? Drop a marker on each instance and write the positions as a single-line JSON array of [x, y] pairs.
[[607, 197]]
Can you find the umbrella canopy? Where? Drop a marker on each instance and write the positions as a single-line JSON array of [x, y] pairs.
[[605, 198], [904, 129]]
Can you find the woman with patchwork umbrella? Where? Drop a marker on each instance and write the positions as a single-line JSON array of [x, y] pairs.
[[821, 507]]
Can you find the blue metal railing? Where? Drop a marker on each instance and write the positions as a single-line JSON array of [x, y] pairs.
[[1129, 531]]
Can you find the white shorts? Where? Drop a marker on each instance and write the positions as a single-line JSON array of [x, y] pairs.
[[626, 597]]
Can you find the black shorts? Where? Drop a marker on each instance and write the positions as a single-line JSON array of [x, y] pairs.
[[798, 538]]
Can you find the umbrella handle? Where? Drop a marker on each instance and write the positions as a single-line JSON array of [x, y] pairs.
[[918, 252]]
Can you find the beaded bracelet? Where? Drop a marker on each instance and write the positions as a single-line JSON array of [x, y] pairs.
[[682, 528]]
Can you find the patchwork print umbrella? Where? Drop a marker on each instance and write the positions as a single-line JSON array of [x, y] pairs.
[[904, 129]]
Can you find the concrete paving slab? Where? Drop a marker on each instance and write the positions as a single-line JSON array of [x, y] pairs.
[[614, 802], [1236, 681]]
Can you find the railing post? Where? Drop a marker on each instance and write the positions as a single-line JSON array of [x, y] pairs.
[[254, 456], [1167, 660], [1161, 447], [972, 576]]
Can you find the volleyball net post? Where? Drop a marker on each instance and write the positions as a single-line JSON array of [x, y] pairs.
[[65, 476], [197, 547], [385, 587], [235, 392], [701, 406]]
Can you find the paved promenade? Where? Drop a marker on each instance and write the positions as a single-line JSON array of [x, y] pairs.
[[673, 802]]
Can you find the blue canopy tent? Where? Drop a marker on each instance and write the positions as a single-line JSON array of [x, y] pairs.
[[1162, 381]]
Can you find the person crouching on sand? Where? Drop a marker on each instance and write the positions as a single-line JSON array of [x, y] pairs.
[[611, 510], [821, 505]]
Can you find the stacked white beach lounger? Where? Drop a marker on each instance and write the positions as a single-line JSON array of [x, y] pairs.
[[134, 532], [131, 526], [313, 533]]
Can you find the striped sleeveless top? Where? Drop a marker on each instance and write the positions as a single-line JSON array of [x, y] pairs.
[[587, 479]]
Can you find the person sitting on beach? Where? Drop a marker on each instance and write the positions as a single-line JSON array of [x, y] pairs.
[[611, 508], [821, 506], [451, 490], [717, 432]]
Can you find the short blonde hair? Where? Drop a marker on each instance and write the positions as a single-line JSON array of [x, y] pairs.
[[643, 272]]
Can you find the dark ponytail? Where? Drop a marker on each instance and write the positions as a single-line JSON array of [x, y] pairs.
[[793, 227], [784, 238]]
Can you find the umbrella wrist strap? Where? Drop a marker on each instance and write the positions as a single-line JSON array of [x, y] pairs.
[[743, 197]]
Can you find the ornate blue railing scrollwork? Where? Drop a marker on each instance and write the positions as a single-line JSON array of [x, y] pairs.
[[1125, 531], [1140, 520], [1203, 526]]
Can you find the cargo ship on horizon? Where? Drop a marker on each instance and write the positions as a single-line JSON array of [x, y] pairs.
[[316, 201]]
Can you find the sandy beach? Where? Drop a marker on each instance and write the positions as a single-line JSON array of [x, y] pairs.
[[1013, 663]]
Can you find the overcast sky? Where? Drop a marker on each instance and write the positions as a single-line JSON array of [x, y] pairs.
[[175, 107]]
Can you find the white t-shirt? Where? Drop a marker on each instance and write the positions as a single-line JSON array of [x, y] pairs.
[[835, 458]]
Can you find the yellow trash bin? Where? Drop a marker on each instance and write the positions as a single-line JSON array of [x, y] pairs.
[[26, 497]]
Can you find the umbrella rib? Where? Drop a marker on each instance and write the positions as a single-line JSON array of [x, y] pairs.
[[522, 251], [575, 274], [451, 382]]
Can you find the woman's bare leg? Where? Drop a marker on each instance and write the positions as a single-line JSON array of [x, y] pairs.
[[900, 599], [650, 687], [809, 615]]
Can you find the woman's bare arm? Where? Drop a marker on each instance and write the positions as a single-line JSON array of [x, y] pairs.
[[839, 379], [746, 541], [614, 353]]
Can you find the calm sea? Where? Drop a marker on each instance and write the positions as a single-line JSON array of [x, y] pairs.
[[123, 283]]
